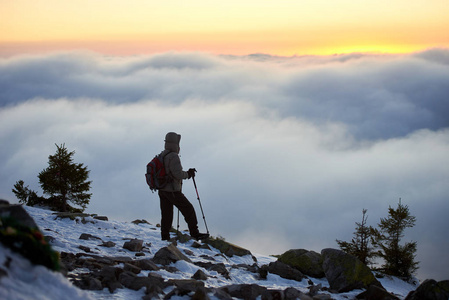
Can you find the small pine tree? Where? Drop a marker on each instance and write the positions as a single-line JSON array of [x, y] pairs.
[[399, 259], [27, 196], [361, 245], [63, 180]]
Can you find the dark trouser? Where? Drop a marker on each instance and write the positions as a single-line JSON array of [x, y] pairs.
[[170, 199]]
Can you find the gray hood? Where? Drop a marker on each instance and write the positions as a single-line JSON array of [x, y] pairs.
[[172, 140]]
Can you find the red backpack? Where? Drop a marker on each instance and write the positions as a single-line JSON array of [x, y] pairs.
[[156, 176]]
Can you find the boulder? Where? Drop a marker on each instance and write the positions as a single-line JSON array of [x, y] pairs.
[[134, 282], [84, 248], [186, 285], [200, 294], [131, 268], [293, 294], [345, 272], [307, 262], [199, 275], [108, 244], [19, 232], [430, 290], [168, 255], [18, 213], [86, 236], [87, 282], [109, 278], [227, 248], [376, 293], [71, 215], [153, 292], [134, 245], [247, 291], [101, 218], [147, 265], [137, 222], [220, 268], [285, 271]]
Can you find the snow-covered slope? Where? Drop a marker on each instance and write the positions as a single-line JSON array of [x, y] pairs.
[[25, 281]]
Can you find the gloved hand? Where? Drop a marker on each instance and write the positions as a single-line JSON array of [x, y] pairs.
[[191, 173]]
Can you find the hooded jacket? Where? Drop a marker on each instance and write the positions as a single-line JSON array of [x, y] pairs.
[[172, 163]]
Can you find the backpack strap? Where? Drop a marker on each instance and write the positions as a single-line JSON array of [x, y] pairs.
[[167, 171]]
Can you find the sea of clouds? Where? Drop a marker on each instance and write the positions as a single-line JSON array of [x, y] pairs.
[[294, 147]]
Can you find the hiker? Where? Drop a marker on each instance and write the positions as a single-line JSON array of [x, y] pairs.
[[171, 195]]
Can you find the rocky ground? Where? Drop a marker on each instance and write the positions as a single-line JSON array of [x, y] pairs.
[[129, 261]]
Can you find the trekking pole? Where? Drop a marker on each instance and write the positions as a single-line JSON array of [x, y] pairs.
[[177, 227], [202, 212]]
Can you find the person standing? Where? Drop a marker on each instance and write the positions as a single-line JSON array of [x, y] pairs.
[[171, 195]]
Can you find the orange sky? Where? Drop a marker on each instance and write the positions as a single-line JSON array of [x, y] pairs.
[[283, 27]]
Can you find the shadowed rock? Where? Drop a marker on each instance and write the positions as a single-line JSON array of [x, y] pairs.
[[345, 272]]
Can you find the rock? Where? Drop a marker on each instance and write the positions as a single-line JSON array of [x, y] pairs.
[[122, 259], [197, 245], [430, 289], [137, 222], [293, 294], [134, 245], [87, 282], [183, 238], [199, 275], [186, 285], [285, 271], [134, 282], [188, 252], [157, 279], [147, 265], [109, 278], [101, 218], [86, 236], [321, 297], [376, 293], [200, 294], [108, 244], [263, 272], [220, 268], [254, 268], [95, 284], [207, 257], [227, 248], [71, 216], [314, 289], [168, 255], [221, 294], [131, 268], [153, 292], [247, 291], [84, 248], [18, 213], [307, 262], [345, 272]]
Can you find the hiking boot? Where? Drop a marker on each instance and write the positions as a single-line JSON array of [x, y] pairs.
[[201, 236]]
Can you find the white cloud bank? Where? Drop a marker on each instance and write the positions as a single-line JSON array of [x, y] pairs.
[[303, 143]]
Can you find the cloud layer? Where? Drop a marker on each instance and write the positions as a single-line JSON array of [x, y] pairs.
[[293, 148]]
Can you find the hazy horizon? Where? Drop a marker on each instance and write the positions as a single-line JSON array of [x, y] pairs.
[[294, 147]]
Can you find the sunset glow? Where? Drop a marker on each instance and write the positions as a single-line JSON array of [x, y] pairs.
[[232, 27]]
